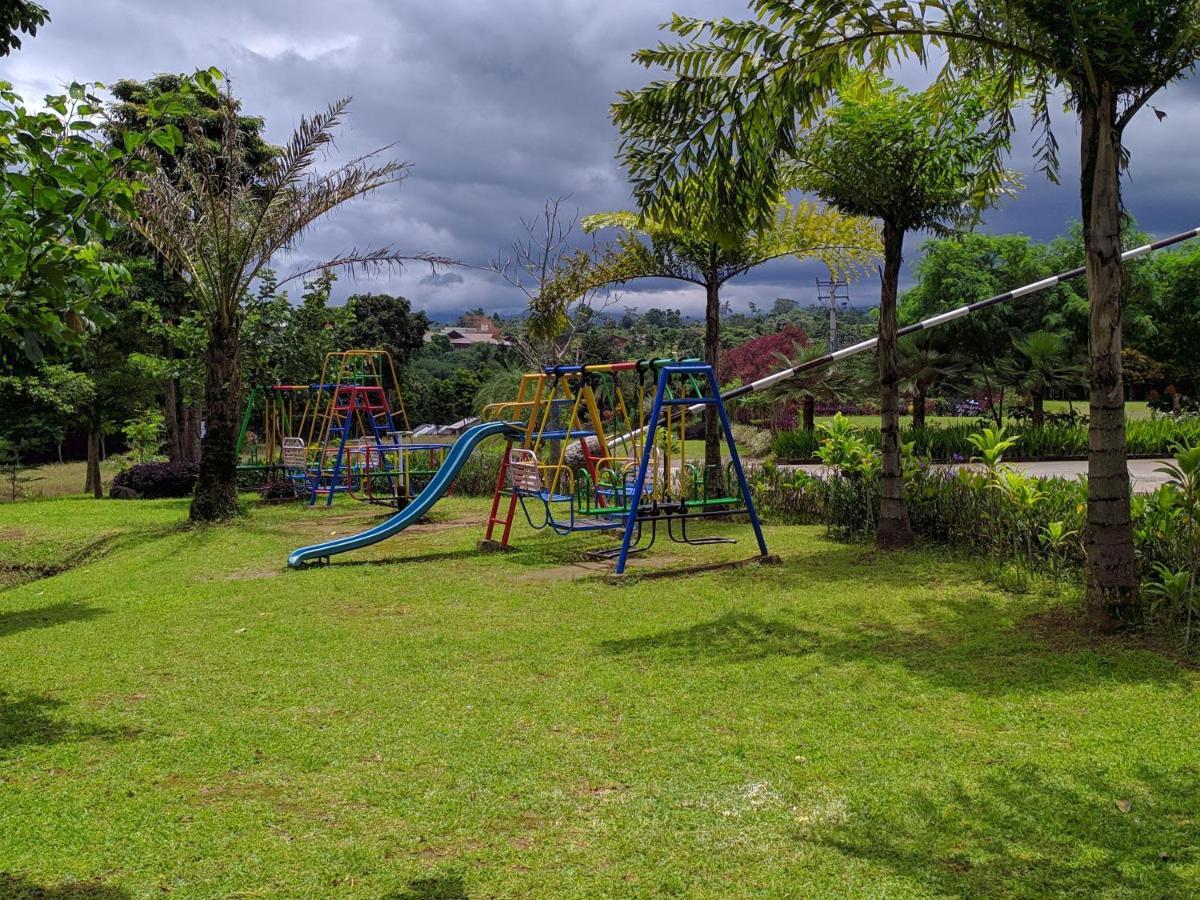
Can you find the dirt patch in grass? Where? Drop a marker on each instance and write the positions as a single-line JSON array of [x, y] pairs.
[[1066, 629]]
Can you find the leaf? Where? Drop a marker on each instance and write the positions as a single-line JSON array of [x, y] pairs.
[[1124, 805]]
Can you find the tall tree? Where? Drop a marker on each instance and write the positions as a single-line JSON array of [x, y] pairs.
[[198, 118], [384, 322], [222, 229], [693, 252], [743, 91], [61, 187], [912, 162]]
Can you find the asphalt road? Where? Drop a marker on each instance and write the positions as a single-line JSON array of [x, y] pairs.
[[1142, 471]]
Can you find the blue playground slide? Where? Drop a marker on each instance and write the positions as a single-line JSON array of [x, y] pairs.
[[420, 504]]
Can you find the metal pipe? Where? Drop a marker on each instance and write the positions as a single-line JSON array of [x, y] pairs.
[[931, 322]]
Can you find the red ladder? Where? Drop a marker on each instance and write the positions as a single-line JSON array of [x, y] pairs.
[[507, 519]]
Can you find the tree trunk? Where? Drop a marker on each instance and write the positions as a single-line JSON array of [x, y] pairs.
[[895, 531], [810, 413], [94, 485], [1112, 576], [918, 407], [713, 480], [216, 495], [171, 421], [191, 432], [1037, 400]]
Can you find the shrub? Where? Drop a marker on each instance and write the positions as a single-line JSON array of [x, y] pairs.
[[477, 478], [156, 480], [947, 443], [279, 489], [752, 442]]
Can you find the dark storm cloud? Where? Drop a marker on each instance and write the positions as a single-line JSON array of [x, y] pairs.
[[498, 106]]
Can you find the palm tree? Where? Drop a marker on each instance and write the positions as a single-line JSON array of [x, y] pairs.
[[694, 253], [1046, 365], [827, 384], [221, 226], [922, 366], [743, 92]]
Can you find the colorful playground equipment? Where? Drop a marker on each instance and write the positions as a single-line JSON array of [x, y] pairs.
[[621, 485], [347, 433], [606, 490]]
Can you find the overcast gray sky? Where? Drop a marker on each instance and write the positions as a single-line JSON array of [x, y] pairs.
[[498, 104]]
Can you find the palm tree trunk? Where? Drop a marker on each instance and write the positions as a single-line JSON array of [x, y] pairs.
[[1037, 400], [810, 413], [712, 424], [216, 486], [918, 407], [895, 531], [1112, 577]]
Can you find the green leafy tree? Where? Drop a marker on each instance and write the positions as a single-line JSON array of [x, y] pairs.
[[222, 229], [824, 384], [912, 162], [160, 288], [19, 16], [956, 270], [61, 186], [743, 92], [384, 322], [688, 252]]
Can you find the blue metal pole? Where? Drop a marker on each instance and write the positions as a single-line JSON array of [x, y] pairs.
[[640, 483], [737, 462]]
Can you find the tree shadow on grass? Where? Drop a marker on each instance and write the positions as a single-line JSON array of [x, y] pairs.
[[18, 620], [1017, 832], [956, 646], [18, 888], [28, 720], [446, 887], [733, 637]]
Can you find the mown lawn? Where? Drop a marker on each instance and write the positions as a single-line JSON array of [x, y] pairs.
[[180, 715]]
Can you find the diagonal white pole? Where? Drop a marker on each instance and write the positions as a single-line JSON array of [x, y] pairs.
[[932, 322]]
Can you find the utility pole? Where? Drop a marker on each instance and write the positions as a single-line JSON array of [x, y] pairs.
[[833, 294]]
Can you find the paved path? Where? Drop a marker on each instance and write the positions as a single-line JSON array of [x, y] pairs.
[[1145, 478]]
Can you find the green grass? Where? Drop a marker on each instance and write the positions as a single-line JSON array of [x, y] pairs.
[[179, 714], [59, 480]]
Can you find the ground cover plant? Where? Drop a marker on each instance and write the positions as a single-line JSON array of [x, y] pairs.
[[179, 714], [952, 441]]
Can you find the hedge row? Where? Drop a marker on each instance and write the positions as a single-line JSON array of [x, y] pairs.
[[945, 443]]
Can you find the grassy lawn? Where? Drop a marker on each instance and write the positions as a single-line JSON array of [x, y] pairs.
[[59, 480], [179, 714]]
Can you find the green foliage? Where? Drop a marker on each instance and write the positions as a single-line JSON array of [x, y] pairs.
[[19, 16], [913, 161], [144, 435], [40, 407], [742, 92], [63, 185], [945, 443], [384, 322], [991, 444]]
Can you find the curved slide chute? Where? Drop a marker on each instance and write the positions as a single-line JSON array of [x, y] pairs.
[[420, 504]]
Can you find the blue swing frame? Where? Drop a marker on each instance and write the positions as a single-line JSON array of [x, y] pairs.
[[661, 400]]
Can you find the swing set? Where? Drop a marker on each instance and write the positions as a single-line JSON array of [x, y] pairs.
[[641, 476]]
